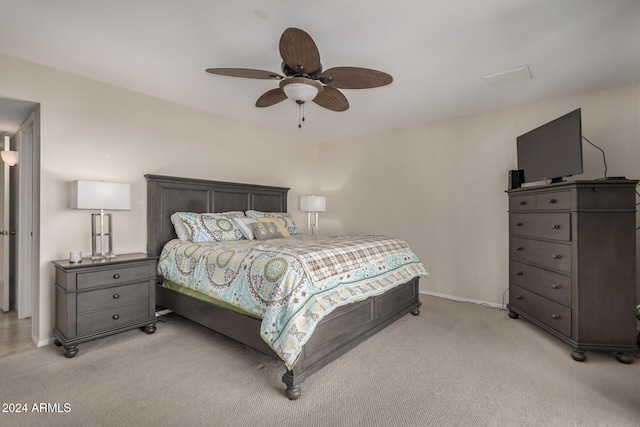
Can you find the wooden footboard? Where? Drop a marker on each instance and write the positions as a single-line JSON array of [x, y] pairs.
[[336, 334]]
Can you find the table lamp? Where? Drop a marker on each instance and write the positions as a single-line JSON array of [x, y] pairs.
[[100, 195]]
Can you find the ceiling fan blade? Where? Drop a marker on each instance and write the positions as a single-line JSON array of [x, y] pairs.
[[299, 51], [245, 72], [271, 97], [355, 78], [332, 99]]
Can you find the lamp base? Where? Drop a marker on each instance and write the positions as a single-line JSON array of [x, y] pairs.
[[312, 223], [101, 236]]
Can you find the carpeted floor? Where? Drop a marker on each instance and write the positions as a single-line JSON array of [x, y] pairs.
[[456, 364]]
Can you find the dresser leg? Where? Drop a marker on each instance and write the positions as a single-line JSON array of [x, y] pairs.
[[578, 355], [624, 358], [513, 315], [70, 352], [149, 329]]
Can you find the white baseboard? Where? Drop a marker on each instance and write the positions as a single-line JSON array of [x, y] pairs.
[[460, 299], [42, 343], [163, 312]]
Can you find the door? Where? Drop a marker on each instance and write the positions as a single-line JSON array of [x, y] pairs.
[[4, 235]]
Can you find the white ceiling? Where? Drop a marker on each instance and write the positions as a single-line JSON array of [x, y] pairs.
[[437, 52]]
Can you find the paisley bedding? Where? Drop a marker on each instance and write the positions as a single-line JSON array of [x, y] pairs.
[[291, 283]]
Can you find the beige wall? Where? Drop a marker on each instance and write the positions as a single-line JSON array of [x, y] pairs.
[[94, 131], [441, 185]]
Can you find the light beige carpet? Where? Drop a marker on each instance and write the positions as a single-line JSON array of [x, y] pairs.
[[456, 364]]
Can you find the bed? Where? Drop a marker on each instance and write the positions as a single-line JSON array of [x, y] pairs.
[[335, 333]]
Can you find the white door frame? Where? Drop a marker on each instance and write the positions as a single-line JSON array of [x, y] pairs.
[[4, 280], [24, 226]]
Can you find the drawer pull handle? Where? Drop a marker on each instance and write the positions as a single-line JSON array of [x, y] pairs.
[[556, 256], [555, 286], [552, 201], [519, 273], [519, 297], [523, 202], [520, 248], [519, 224], [115, 317], [116, 296], [555, 316], [556, 226]]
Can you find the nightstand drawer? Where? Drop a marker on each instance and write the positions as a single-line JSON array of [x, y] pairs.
[[555, 286], [112, 276], [113, 317], [105, 298], [556, 256], [550, 313], [555, 226]]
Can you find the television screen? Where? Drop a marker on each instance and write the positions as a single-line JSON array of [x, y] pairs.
[[553, 150]]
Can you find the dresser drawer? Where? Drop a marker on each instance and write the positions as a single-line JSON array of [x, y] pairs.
[[552, 314], [112, 276], [556, 256], [522, 203], [112, 317], [105, 298], [554, 200], [555, 226], [555, 286]]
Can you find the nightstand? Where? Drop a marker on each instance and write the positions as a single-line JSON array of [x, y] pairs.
[[97, 298]]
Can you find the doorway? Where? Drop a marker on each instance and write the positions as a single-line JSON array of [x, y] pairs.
[[20, 122]]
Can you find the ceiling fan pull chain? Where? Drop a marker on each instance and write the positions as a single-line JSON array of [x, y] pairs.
[[299, 116]]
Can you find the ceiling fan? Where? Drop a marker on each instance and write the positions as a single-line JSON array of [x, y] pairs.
[[304, 80]]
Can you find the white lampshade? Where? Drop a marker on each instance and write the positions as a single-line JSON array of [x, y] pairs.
[[300, 92], [313, 203], [9, 157], [300, 89], [100, 195]]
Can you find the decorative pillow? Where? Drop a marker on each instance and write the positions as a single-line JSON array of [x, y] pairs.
[[211, 227], [244, 224], [178, 226], [285, 218], [266, 230], [277, 223]]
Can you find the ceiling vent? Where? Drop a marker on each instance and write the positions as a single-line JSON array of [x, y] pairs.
[[514, 75]]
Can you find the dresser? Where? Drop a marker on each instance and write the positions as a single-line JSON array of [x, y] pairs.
[[572, 263], [97, 298]]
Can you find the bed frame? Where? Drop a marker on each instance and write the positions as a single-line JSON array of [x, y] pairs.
[[342, 330]]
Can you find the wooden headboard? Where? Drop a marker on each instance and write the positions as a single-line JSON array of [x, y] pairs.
[[167, 195]]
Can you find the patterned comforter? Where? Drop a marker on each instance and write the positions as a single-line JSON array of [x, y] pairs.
[[291, 283]]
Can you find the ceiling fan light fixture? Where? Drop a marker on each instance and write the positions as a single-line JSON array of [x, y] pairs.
[[300, 89]]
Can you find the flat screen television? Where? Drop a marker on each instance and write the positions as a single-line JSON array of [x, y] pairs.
[[552, 151]]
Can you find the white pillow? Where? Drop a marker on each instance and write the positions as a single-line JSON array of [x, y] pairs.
[[244, 224], [180, 229]]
